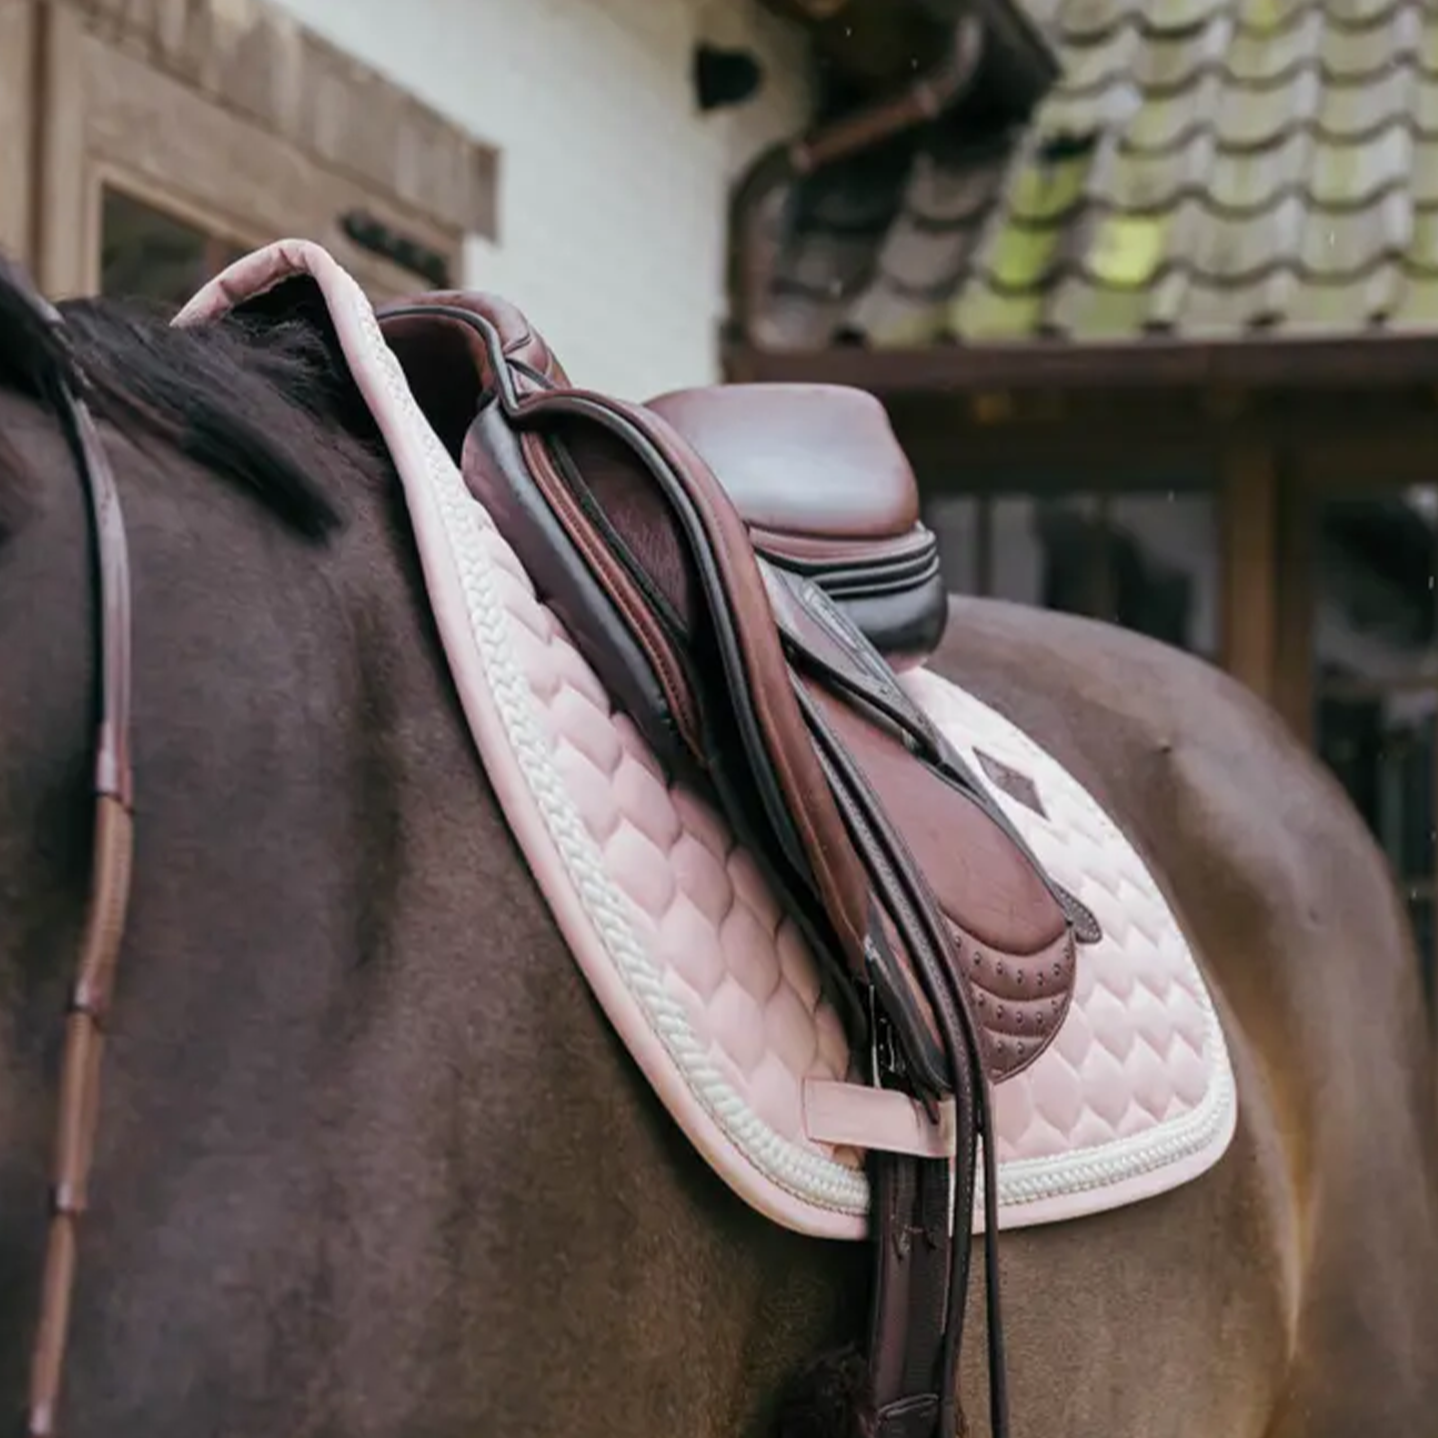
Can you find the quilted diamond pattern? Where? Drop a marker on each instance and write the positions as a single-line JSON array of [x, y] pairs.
[[1135, 1050], [710, 920]]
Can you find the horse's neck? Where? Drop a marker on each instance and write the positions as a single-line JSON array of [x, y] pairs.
[[351, 1099]]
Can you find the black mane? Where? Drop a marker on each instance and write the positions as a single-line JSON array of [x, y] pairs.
[[266, 404], [34, 361]]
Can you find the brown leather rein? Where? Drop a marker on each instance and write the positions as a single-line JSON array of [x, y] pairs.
[[105, 914]]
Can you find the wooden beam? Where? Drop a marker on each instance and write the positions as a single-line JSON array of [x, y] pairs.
[[1248, 503], [18, 62], [1297, 577], [252, 60], [1372, 360], [63, 262]]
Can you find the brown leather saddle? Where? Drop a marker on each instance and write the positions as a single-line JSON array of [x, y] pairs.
[[745, 569]]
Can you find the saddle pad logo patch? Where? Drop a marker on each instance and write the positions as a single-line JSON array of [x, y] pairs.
[[1018, 786]]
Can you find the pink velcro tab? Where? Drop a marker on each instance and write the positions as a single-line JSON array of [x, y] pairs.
[[852, 1116]]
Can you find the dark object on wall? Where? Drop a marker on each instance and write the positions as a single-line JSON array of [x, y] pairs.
[[377, 237], [724, 77]]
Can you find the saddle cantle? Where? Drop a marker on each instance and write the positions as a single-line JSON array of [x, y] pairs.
[[683, 549]]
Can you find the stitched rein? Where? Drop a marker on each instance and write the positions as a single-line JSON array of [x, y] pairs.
[[108, 899]]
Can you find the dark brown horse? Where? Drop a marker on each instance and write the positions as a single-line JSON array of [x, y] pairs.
[[371, 1161]]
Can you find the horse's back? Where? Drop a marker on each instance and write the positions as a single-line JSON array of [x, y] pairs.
[[1300, 1270]]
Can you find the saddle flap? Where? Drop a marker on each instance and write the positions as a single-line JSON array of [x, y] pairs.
[[661, 537]]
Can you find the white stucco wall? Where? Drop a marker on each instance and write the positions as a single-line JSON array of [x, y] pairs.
[[614, 187]]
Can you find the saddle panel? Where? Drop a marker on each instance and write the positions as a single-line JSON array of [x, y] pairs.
[[827, 493], [1011, 940]]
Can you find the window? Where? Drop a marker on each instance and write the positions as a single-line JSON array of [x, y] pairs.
[[1146, 560], [148, 253], [161, 153], [1375, 656]]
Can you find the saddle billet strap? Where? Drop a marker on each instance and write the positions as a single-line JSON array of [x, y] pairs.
[[106, 909], [924, 937], [926, 1259]]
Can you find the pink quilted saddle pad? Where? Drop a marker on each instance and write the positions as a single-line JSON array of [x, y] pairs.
[[710, 985]]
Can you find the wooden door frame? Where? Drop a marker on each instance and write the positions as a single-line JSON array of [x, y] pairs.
[[1248, 564]]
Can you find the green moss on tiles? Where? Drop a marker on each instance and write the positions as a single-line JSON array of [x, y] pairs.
[[1045, 190], [1168, 15], [1339, 177], [1425, 104], [1417, 307], [1423, 248], [1164, 120], [1423, 182], [1094, 312], [1329, 308], [921, 325], [1089, 19], [1358, 56], [1268, 15], [1127, 249], [1020, 256], [1428, 46], [1248, 119], [982, 313]]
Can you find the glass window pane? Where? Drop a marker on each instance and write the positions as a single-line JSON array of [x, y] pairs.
[[1167, 567], [1420, 911], [1381, 748], [1375, 654], [1020, 554], [955, 522], [148, 254], [1374, 603], [1147, 561]]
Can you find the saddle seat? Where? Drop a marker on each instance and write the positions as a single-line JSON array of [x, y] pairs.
[[813, 470]]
